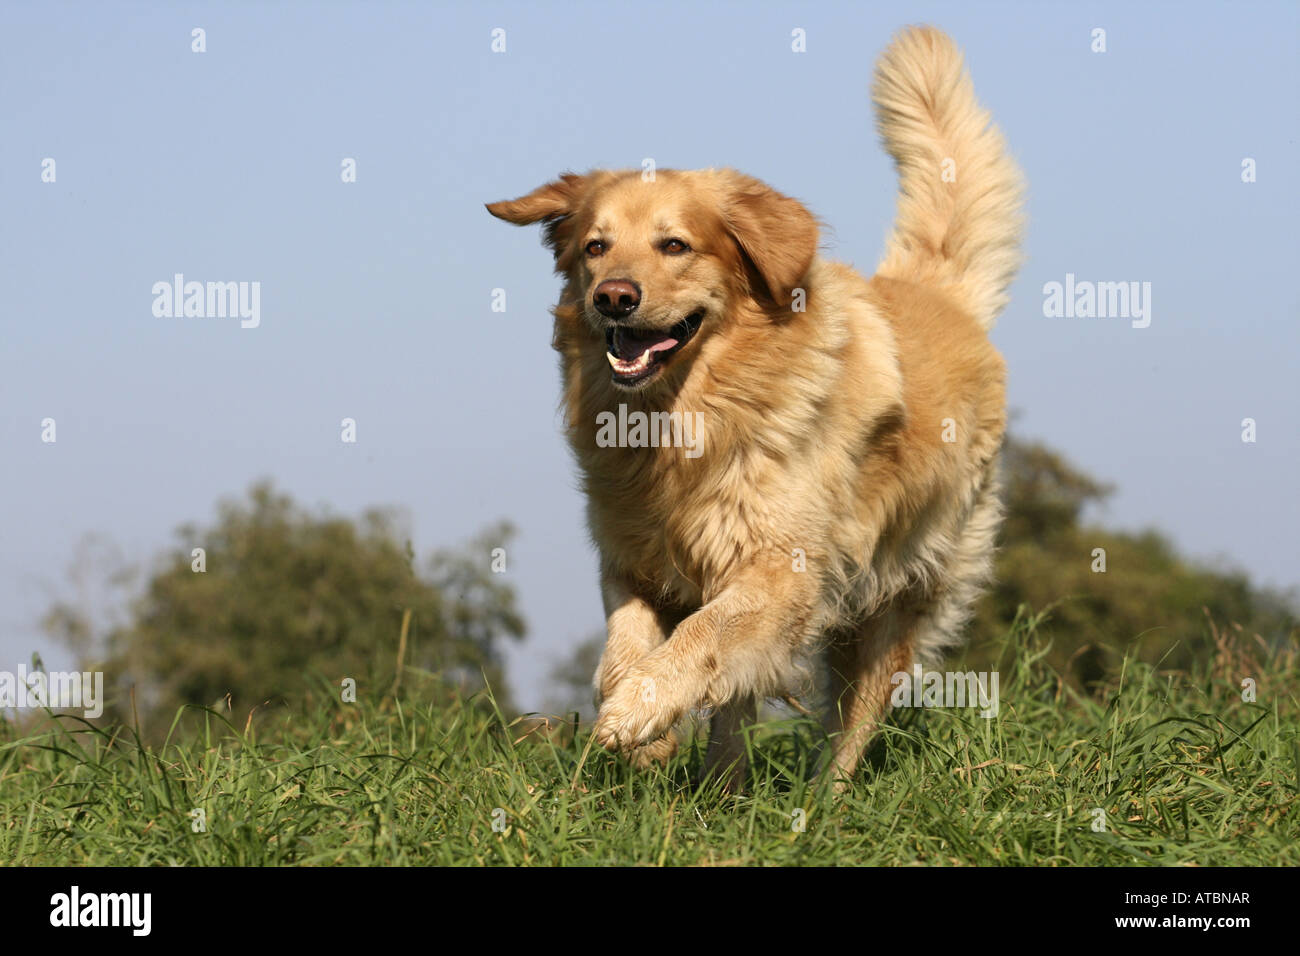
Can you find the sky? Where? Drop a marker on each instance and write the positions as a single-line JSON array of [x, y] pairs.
[[376, 295]]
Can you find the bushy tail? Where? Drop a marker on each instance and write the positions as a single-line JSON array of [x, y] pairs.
[[960, 194]]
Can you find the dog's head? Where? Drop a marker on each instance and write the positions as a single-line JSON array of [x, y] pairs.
[[656, 266]]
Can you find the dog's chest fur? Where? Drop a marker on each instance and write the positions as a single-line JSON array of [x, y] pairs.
[[804, 465]]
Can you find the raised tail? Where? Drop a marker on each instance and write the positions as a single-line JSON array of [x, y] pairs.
[[959, 208]]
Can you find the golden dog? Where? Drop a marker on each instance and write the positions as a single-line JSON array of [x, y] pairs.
[[839, 493]]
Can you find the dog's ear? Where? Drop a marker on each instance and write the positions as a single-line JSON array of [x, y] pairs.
[[777, 234], [553, 204], [550, 201]]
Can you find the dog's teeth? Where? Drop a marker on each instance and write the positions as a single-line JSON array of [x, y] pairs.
[[639, 364], [635, 365]]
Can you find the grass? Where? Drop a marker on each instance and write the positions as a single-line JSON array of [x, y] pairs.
[[1182, 770]]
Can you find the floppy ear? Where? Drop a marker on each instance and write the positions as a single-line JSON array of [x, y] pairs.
[[777, 234], [547, 202], [552, 204]]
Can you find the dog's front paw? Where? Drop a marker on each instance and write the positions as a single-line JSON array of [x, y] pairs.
[[636, 712], [616, 662], [608, 676], [657, 752]]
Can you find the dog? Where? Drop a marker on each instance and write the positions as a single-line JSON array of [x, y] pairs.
[[843, 498]]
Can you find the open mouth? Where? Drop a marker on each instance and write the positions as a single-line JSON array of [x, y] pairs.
[[637, 354]]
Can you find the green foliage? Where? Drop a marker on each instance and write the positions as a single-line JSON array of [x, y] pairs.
[[1121, 697], [1182, 770], [289, 597], [1148, 602]]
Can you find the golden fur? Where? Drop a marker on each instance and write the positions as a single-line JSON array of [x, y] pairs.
[[844, 497]]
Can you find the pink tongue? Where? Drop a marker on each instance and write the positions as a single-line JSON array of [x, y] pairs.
[[631, 348]]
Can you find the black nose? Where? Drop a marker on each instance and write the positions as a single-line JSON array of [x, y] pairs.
[[616, 298]]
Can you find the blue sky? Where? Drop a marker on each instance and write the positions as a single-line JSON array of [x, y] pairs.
[[376, 295]]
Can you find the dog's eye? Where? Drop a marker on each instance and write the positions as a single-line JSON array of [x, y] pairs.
[[674, 247], [595, 248]]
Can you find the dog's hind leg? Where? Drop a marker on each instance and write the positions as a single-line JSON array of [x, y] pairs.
[[862, 664], [727, 756]]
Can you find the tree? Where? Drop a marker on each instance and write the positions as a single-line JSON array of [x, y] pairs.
[[285, 598], [1148, 601]]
